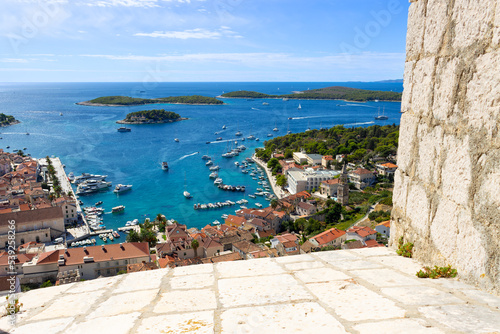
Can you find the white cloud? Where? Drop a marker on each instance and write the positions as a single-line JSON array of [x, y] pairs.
[[198, 33], [13, 60], [186, 34]]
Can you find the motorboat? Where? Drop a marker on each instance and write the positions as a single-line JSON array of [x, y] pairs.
[[213, 175], [214, 168], [251, 137], [208, 163], [119, 208], [124, 129], [238, 133], [218, 139], [218, 181], [176, 140], [206, 157], [186, 194], [265, 103], [223, 127], [269, 134], [86, 176], [164, 165], [122, 187]]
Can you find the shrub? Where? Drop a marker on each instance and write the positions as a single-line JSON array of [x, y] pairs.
[[46, 284], [406, 249], [437, 272], [14, 307]]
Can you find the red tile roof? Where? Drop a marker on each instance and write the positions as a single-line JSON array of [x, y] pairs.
[[362, 231], [373, 243], [387, 223], [286, 237], [332, 181], [328, 236], [361, 171], [127, 250], [235, 220], [389, 165], [48, 257]]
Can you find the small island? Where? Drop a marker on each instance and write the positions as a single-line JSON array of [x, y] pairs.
[[155, 116], [120, 101], [6, 120], [328, 93]]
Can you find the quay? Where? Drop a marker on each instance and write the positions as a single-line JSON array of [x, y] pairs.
[[78, 233], [272, 180]]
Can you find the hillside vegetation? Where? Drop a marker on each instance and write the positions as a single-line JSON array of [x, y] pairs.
[[7, 120], [151, 116], [127, 101], [357, 143], [328, 93]]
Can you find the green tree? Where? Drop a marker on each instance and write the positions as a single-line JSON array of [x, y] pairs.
[[274, 203], [133, 236], [281, 180], [334, 214], [195, 244]]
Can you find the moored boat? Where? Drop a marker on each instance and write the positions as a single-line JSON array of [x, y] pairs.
[[164, 165], [119, 208]]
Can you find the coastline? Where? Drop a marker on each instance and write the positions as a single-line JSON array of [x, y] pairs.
[[162, 122], [298, 98], [12, 123], [280, 193], [91, 104]]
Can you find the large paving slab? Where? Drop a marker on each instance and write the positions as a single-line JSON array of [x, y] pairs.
[[358, 291]]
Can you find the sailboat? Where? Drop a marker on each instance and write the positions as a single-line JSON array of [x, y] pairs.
[[275, 127], [308, 128], [381, 117], [239, 132], [299, 107], [288, 130], [186, 193]]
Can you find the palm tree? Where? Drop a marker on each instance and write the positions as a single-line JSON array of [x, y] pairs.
[[195, 244], [274, 203]]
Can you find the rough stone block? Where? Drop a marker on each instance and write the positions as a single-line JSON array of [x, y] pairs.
[[68, 305], [386, 278], [47, 326], [186, 301], [193, 270], [118, 324], [244, 291], [320, 275], [415, 35], [403, 264], [435, 25], [280, 319], [423, 84], [473, 20], [464, 318], [421, 295], [192, 322], [304, 265], [296, 258], [397, 326], [249, 268], [192, 281], [100, 284], [354, 302], [124, 303], [144, 280]]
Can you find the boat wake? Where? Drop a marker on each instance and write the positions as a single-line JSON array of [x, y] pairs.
[[188, 155], [359, 105], [255, 109], [308, 117], [360, 123]]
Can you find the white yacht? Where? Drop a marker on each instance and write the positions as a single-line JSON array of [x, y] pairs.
[[251, 137], [176, 140], [214, 168], [238, 133], [218, 181], [122, 187], [223, 127], [186, 194], [213, 175], [206, 157]]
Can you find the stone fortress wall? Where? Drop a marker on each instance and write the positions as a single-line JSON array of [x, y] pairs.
[[447, 187]]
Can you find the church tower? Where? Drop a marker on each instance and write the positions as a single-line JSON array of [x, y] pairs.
[[343, 188]]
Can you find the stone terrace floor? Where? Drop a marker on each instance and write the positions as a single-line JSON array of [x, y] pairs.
[[358, 291]]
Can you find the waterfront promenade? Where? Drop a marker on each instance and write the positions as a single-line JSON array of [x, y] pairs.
[[280, 193], [76, 233]]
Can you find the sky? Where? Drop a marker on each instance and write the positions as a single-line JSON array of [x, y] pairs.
[[202, 40]]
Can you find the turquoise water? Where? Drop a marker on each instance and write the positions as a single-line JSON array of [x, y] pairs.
[[86, 140]]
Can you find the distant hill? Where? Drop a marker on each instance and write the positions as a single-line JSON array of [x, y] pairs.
[[118, 101], [327, 93], [391, 81]]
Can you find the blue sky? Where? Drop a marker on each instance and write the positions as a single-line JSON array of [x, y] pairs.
[[202, 40]]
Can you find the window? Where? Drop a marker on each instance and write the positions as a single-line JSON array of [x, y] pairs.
[[38, 238], [22, 241], [108, 272]]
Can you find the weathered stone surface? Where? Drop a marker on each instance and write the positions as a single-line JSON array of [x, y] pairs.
[[365, 290], [446, 197], [398, 326], [241, 268], [245, 291], [464, 318], [280, 319], [192, 322], [354, 302]]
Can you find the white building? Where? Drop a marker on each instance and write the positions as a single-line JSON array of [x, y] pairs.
[[299, 180], [299, 157]]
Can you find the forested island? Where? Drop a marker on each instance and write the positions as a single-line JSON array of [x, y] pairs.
[[358, 144], [6, 120], [119, 101], [328, 93], [154, 116]]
